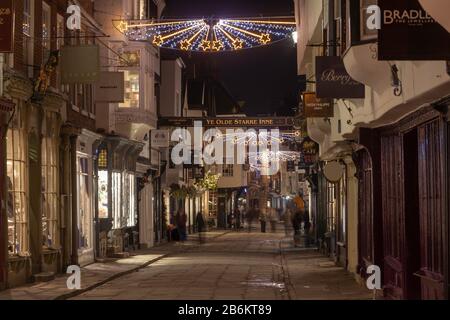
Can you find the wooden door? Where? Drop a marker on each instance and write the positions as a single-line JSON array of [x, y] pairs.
[[365, 211], [431, 160], [393, 215]]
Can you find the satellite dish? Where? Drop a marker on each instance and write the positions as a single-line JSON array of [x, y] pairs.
[[333, 171]]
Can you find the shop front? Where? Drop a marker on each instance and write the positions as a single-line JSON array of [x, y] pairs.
[[117, 196], [6, 108], [403, 204]]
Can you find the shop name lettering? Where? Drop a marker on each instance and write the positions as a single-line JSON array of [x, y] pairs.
[[4, 12], [410, 17], [240, 122], [330, 75]]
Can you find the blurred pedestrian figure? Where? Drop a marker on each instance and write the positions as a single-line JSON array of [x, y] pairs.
[[287, 221], [201, 226], [273, 219], [237, 219], [297, 225], [263, 220], [249, 217], [181, 220]]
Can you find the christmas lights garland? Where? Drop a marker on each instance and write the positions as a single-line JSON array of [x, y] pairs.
[[208, 35]]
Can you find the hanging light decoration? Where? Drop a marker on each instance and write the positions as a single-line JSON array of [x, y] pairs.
[[208, 35]]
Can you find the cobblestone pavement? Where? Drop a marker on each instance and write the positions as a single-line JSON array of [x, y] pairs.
[[237, 265]]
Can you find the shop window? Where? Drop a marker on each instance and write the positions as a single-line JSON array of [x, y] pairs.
[[84, 204], [59, 45], [27, 31], [103, 159], [331, 212], [17, 173], [46, 31], [131, 90], [50, 188], [130, 196], [103, 194], [227, 170], [212, 203], [116, 192]]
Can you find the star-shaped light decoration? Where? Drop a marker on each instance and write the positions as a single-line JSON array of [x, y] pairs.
[[185, 44], [206, 45], [238, 44], [265, 38], [208, 34], [217, 45], [122, 26], [158, 40]]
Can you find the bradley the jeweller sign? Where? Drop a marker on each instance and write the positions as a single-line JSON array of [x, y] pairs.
[[6, 26], [408, 32]]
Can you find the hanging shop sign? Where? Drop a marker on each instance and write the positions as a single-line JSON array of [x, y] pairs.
[[309, 153], [80, 64], [333, 81], [6, 26], [316, 107], [408, 32], [257, 122], [333, 171], [110, 87], [159, 138]]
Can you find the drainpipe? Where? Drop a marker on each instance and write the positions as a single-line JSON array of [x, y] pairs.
[[2, 62]]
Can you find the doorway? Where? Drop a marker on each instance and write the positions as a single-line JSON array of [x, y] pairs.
[[412, 215]]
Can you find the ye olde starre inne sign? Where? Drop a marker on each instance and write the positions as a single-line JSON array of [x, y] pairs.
[[6, 26]]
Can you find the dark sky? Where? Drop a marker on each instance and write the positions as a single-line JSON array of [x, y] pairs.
[[264, 77]]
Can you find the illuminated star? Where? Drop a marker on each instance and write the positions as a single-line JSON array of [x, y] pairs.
[[122, 26], [205, 45], [185, 44], [238, 44], [265, 38], [217, 45], [158, 40]]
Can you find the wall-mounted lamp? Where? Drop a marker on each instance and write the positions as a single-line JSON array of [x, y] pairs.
[[395, 81]]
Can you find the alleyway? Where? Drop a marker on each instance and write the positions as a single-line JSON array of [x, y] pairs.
[[229, 265]]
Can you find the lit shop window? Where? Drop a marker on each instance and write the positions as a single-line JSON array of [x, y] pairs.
[[130, 204], [331, 213], [17, 172], [116, 192], [50, 188], [103, 194], [84, 203], [212, 203], [131, 90], [46, 31], [27, 29]]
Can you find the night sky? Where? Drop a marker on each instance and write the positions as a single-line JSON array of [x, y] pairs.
[[264, 77]]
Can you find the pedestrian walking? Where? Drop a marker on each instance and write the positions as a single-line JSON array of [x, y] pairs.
[[249, 217], [201, 226], [273, 219], [263, 220], [181, 219], [297, 225], [287, 222], [238, 217]]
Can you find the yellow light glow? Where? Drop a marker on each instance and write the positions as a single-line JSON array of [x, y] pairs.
[[236, 42], [159, 39], [262, 22]]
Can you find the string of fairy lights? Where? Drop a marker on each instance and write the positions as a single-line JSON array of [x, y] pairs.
[[208, 35]]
